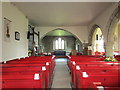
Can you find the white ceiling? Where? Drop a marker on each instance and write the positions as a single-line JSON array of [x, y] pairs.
[[61, 13]]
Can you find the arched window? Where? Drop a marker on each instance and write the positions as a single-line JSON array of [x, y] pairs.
[[98, 42], [59, 43]]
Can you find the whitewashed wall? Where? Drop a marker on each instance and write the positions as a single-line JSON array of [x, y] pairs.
[[0, 31], [13, 48], [80, 32]]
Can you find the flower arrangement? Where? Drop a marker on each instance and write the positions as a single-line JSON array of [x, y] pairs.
[[109, 59]]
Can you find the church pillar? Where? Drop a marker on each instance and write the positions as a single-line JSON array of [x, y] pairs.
[[109, 49], [119, 27], [119, 37]]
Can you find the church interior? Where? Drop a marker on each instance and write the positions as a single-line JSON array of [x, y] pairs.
[[59, 45]]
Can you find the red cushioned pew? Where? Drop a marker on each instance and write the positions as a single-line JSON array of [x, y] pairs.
[[27, 68], [117, 57], [89, 63], [83, 59], [99, 86], [49, 60], [23, 77], [34, 59], [22, 80], [92, 65], [31, 63], [106, 76], [73, 64]]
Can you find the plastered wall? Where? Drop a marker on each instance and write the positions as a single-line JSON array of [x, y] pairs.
[[12, 48], [80, 32], [0, 31]]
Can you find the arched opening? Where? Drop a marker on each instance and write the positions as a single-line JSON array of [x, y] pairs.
[[98, 42], [60, 39]]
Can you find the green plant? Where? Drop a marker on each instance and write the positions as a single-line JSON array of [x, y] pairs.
[[109, 59]]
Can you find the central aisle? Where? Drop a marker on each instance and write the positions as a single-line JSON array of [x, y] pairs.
[[61, 77]]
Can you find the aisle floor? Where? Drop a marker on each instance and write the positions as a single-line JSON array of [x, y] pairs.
[[61, 77]]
